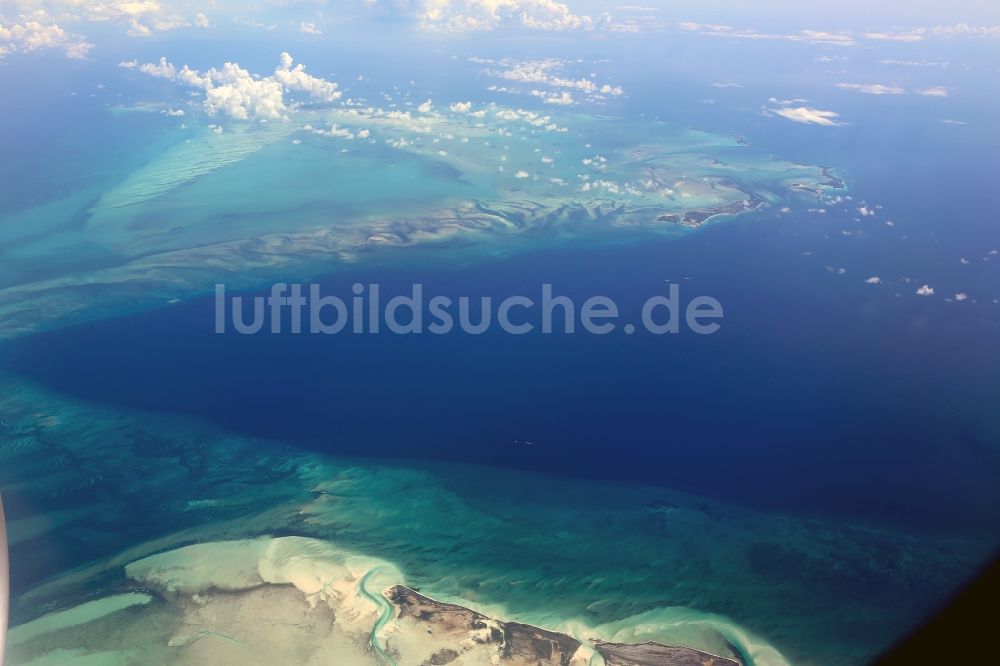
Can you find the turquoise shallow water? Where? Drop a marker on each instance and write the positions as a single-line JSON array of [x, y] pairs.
[[624, 561]]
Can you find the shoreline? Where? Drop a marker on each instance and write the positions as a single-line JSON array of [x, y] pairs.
[[104, 487]]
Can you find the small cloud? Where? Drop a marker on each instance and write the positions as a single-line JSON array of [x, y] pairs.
[[965, 30], [961, 296], [910, 36], [925, 290], [949, 121], [563, 99], [873, 88], [915, 63], [309, 28], [137, 29], [546, 73], [803, 114], [874, 280], [936, 91], [425, 107], [522, 174], [460, 107]]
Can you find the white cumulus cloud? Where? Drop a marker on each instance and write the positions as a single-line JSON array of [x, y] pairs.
[[563, 98], [31, 35], [544, 72], [804, 114], [295, 78], [235, 92]]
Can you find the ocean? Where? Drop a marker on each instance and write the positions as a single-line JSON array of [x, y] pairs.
[[813, 479]]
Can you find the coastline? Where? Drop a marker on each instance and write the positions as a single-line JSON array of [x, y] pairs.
[[234, 616], [665, 566]]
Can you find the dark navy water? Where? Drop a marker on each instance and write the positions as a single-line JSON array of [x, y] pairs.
[[819, 395]]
